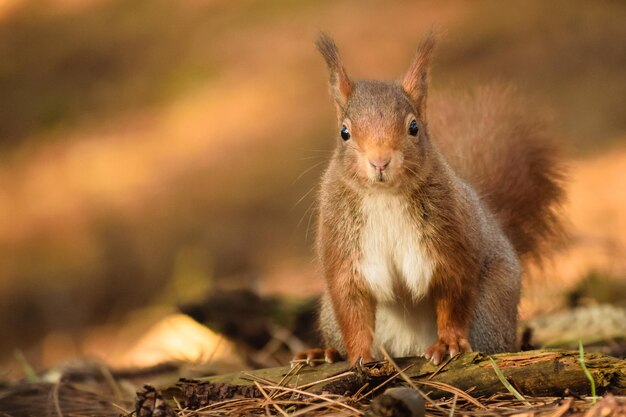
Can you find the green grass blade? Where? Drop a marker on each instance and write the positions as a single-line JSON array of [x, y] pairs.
[[29, 372], [581, 351], [507, 384]]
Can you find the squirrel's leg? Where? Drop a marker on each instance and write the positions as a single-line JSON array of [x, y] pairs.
[[355, 311], [454, 312]]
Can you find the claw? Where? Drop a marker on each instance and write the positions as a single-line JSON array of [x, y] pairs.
[[316, 356], [453, 346]]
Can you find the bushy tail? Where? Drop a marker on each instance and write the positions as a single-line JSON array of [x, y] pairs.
[[504, 151]]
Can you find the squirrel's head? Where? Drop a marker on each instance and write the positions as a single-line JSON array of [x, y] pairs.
[[382, 130]]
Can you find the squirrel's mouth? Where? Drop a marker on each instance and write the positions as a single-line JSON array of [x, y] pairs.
[[377, 177], [380, 179]]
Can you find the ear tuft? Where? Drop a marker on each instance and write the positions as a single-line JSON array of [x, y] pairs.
[[416, 80], [340, 84]]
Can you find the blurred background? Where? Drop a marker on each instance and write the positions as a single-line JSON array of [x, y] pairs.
[[155, 152]]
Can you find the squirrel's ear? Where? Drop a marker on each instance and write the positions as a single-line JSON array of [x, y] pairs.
[[340, 84], [415, 82]]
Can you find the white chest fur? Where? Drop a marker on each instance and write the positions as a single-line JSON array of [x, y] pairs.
[[398, 270], [393, 253]]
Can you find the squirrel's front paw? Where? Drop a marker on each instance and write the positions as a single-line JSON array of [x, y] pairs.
[[453, 344], [316, 356]]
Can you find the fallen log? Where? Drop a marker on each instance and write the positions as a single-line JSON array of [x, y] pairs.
[[537, 373]]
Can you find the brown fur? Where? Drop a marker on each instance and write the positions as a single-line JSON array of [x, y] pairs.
[[480, 194]]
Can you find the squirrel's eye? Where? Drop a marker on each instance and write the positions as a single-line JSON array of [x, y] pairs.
[[345, 133], [413, 129]]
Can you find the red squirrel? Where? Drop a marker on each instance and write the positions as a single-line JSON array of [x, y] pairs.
[[421, 236]]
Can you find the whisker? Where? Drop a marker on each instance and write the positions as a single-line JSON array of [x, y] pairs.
[[308, 170], [306, 158], [304, 196], [308, 224], [318, 150], [410, 170], [308, 211]]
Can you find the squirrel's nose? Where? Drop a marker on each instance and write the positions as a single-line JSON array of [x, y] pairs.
[[380, 164]]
